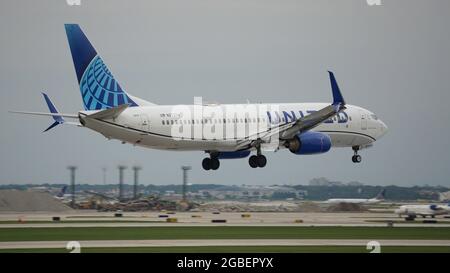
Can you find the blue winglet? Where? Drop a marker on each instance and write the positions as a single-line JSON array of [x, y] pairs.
[[51, 126], [58, 119], [337, 95]]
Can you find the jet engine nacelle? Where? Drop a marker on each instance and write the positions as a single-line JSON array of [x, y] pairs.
[[434, 207], [309, 143]]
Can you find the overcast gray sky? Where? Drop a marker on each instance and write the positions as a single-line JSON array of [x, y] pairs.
[[392, 59]]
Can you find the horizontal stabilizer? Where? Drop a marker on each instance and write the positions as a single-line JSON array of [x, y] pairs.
[[110, 113], [57, 117]]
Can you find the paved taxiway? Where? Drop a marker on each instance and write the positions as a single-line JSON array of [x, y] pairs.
[[149, 219]]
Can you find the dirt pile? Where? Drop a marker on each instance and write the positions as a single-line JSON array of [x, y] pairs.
[[22, 201], [346, 207]]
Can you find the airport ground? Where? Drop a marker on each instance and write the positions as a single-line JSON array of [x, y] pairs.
[[236, 232], [90, 218], [240, 249]]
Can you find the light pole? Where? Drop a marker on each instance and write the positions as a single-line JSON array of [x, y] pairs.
[[185, 178], [136, 170], [72, 184], [121, 169]]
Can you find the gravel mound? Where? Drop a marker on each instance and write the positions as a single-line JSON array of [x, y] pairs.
[[346, 207], [20, 201]]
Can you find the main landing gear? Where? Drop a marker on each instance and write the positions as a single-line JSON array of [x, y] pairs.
[[258, 160], [211, 163], [356, 158]]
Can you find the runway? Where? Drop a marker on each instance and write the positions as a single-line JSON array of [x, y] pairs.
[[27, 230], [152, 219], [88, 225], [205, 242]]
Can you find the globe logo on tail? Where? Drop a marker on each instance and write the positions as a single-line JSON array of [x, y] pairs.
[[99, 89]]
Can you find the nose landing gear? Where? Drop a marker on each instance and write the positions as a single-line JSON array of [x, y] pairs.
[[356, 158]]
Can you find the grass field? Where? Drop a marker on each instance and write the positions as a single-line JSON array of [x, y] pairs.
[[220, 232], [242, 249]]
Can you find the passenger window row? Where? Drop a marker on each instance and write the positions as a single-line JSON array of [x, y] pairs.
[[212, 121]]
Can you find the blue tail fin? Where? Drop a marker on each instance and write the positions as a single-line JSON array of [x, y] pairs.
[[98, 87], [381, 195], [62, 192], [58, 119]]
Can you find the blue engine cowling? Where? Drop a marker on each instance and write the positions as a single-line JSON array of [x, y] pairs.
[[309, 143], [233, 155]]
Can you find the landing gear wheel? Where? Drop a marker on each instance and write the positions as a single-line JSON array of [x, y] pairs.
[[356, 159], [210, 163], [253, 161], [215, 164], [206, 164], [261, 160], [258, 160]]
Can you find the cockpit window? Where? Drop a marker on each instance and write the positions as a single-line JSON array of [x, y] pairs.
[[374, 117]]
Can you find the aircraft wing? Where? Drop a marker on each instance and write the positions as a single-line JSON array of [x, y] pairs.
[[289, 130], [110, 113], [46, 114], [310, 121]]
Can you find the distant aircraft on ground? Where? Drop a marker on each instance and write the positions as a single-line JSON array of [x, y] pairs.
[[412, 211], [377, 199], [62, 195], [228, 131]]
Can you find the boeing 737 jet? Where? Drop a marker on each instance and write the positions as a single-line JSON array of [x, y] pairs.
[[412, 211], [361, 201], [223, 131]]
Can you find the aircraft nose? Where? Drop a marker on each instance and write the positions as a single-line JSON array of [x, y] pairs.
[[383, 128]]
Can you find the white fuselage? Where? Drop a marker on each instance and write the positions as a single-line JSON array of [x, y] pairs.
[[422, 210], [353, 201], [224, 127]]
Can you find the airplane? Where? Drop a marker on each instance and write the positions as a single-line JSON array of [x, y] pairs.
[[228, 131], [62, 193], [375, 200], [412, 211]]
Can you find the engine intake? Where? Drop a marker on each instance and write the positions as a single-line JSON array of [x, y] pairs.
[[309, 143]]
